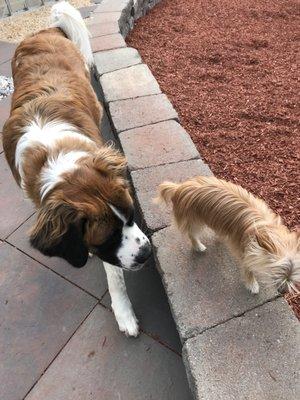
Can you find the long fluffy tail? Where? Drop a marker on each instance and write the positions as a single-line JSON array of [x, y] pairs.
[[166, 191], [68, 19]]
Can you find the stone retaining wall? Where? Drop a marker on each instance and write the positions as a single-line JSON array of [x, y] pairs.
[[235, 345]]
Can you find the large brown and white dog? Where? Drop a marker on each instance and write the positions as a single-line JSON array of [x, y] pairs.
[[55, 151]]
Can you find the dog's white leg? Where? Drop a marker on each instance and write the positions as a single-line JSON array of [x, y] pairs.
[[250, 281], [196, 243], [120, 302], [91, 255]]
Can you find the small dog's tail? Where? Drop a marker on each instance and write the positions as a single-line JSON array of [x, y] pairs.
[[166, 191], [69, 20]]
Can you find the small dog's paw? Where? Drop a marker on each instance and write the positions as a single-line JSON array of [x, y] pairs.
[[253, 286], [128, 323], [199, 247], [91, 255]]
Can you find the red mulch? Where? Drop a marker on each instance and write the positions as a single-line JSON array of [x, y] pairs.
[[230, 69]]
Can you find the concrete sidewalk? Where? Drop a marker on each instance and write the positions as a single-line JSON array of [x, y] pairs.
[[58, 336]]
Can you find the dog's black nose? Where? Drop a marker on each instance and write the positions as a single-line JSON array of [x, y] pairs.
[[143, 254]]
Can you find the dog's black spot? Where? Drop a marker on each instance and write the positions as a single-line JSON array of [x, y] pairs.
[[107, 251], [138, 240]]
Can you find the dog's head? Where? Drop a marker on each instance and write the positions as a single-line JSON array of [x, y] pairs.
[[91, 209], [275, 257]]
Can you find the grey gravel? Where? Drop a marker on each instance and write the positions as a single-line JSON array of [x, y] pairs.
[[6, 86]]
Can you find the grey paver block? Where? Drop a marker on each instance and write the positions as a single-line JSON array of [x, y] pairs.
[[5, 69], [101, 363], [39, 313], [86, 11], [255, 356], [91, 277], [112, 60], [157, 144], [129, 82], [113, 6], [203, 289], [14, 208], [108, 42], [132, 113], [4, 111], [102, 18], [146, 182], [103, 29], [7, 50]]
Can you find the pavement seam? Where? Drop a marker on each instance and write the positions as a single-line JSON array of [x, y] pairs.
[[118, 69], [240, 315], [61, 349], [55, 272], [153, 337], [136, 97], [19, 226], [166, 163]]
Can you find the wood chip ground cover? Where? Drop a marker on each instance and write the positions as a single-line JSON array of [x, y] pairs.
[[232, 72]]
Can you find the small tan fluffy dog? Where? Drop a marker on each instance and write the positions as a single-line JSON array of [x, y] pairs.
[[267, 250]]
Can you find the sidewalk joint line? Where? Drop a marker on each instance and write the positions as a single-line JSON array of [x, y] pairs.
[[136, 97], [240, 315], [19, 226], [61, 349], [153, 337], [41, 264], [167, 163], [118, 69]]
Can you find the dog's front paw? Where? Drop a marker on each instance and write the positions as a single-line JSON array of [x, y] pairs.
[[253, 286], [127, 322], [198, 246]]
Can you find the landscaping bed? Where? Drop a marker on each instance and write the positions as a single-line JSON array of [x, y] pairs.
[[229, 68]]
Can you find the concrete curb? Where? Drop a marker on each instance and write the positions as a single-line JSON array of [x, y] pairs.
[[207, 299]]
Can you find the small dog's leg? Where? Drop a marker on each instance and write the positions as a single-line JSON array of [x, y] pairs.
[[91, 255], [250, 282], [196, 243], [120, 302]]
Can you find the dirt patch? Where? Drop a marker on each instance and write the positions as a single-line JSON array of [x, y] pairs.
[[230, 69], [20, 25]]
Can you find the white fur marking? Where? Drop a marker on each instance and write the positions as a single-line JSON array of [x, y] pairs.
[[120, 302], [253, 286], [130, 247], [132, 241], [117, 213], [52, 173], [46, 135]]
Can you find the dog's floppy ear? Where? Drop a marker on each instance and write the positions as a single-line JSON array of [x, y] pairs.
[[110, 161], [58, 232], [265, 241]]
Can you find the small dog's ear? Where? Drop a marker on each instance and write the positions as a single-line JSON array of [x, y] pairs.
[[265, 241], [58, 233]]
